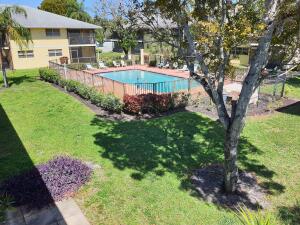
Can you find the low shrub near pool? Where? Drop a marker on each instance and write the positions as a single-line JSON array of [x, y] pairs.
[[154, 103], [53, 181], [108, 102], [49, 75], [133, 104]]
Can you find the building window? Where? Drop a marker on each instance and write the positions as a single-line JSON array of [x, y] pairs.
[[55, 52], [26, 54], [239, 51], [52, 32]]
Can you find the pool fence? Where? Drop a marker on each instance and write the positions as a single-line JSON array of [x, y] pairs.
[[106, 85]]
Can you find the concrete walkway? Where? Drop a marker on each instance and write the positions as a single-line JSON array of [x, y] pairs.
[[64, 212]]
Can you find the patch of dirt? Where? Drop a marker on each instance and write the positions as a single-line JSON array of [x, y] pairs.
[[208, 182], [266, 106]]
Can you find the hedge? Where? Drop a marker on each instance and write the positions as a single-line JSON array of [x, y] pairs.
[[154, 103], [136, 104], [106, 101]]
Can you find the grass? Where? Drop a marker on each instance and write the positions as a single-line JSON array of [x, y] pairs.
[[109, 56], [144, 164], [292, 88]]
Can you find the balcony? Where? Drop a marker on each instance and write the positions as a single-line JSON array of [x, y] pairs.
[[82, 39], [84, 60]]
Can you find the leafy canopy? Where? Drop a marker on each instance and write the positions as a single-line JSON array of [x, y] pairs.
[[68, 8], [11, 28]]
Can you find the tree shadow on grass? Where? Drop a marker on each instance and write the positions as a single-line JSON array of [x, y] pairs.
[[20, 79], [293, 109], [177, 144], [290, 215]]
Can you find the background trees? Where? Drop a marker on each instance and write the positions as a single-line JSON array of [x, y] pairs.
[[211, 28], [119, 19], [9, 28], [68, 8]]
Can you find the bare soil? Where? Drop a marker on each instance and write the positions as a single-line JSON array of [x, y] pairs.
[[208, 183]]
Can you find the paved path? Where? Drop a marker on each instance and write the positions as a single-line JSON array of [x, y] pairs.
[[64, 212]]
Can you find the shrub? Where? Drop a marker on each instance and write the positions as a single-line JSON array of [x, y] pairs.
[[111, 103], [108, 102], [152, 63], [71, 85], [82, 90], [53, 181], [154, 103], [49, 75], [132, 104]]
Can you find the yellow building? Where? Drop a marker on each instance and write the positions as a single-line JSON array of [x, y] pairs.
[[53, 36]]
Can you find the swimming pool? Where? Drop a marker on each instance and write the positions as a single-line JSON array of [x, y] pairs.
[[150, 81]]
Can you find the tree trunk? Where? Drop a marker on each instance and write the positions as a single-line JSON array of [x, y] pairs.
[[3, 70], [230, 164], [126, 51]]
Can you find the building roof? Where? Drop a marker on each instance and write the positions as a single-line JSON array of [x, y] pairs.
[[37, 18]]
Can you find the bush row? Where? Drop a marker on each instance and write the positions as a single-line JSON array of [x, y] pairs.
[[153, 103], [106, 101]]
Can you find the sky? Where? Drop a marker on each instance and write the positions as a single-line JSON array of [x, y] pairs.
[[89, 4]]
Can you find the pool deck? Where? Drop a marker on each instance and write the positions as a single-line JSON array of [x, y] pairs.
[[170, 72]]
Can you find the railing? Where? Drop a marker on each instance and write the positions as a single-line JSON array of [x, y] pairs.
[[77, 39], [106, 85], [84, 60]]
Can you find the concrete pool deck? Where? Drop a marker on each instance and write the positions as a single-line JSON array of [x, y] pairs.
[[170, 72]]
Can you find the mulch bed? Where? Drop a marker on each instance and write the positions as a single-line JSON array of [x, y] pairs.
[[266, 105], [208, 183], [203, 105]]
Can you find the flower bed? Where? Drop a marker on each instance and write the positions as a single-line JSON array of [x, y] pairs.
[[53, 181]]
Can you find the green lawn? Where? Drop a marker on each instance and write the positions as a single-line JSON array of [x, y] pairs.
[[144, 165], [291, 90]]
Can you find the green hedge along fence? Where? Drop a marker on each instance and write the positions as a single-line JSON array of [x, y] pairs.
[[137, 104], [106, 101]]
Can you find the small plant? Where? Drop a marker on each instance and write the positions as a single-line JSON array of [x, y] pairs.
[[111, 103], [71, 85], [251, 218], [53, 181], [49, 75]]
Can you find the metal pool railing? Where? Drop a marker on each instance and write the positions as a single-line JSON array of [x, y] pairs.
[[106, 85]]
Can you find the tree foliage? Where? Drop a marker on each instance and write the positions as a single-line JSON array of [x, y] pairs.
[[11, 29], [118, 19], [68, 8], [208, 31]]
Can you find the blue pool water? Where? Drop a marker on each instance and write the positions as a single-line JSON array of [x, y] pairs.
[[138, 76], [150, 81]]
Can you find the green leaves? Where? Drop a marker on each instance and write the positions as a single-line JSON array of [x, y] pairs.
[[248, 217], [10, 28], [69, 8]]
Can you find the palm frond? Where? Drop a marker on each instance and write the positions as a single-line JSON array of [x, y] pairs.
[[12, 28]]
